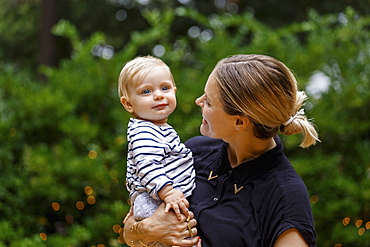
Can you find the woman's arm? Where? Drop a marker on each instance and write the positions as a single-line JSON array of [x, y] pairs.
[[161, 227], [290, 238]]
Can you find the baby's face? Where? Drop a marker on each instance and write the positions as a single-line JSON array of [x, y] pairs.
[[155, 98]]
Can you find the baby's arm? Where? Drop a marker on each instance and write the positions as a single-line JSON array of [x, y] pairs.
[[174, 199]]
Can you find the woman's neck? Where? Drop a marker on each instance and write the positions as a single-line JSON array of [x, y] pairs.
[[246, 149]]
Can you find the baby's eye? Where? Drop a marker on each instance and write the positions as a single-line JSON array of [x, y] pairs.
[[145, 91], [165, 88]]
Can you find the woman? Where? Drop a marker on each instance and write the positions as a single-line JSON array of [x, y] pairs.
[[247, 193]]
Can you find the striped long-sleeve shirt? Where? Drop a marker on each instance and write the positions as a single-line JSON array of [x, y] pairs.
[[156, 158]]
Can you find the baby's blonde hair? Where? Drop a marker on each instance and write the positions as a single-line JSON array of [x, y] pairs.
[[134, 71], [264, 90]]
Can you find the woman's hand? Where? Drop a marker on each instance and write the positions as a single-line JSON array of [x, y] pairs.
[[162, 227], [128, 215]]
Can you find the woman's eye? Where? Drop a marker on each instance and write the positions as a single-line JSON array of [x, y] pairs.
[[205, 101]]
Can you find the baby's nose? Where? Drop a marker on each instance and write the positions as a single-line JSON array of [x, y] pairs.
[[158, 96]]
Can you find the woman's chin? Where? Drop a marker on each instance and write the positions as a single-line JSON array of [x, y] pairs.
[[204, 130]]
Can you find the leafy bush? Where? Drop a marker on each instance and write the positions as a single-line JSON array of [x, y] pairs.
[[63, 142]]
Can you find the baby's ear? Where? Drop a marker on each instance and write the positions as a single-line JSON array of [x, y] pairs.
[[126, 104]]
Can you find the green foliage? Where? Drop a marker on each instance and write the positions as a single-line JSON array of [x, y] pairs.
[[62, 137], [19, 25]]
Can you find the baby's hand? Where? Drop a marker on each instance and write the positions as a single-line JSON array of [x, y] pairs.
[[177, 201], [174, 199]]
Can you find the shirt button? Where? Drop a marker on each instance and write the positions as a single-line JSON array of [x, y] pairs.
[[230, 171], [215, 199]]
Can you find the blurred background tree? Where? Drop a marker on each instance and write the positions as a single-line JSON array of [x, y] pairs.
[[62, 129], [27, 42]]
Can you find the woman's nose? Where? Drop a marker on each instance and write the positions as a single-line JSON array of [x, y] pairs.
[[199, 101]]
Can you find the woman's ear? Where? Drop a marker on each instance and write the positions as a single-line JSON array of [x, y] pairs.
[[126, 104], [242, 123]]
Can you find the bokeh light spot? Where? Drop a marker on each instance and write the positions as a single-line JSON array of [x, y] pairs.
[[120, 140], [80, 205], [113, 173], [159, 50], [186, 108], [115, 181], [116, 228], [358, 223], [43, 236], [185, 2], [42, 220], [206, 35], [121, 15], [121, 240], [314, 199], [92, 154], [367, 225], [69, 218], [55, 206], [107, 52], [88, 190], [361, 231], [194, 32], [91, 200], [346, 221]]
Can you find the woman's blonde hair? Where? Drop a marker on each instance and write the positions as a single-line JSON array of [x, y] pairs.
[[264, 90], [134, 72]]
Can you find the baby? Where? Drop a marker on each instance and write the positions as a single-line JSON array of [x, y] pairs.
[[159, 167]]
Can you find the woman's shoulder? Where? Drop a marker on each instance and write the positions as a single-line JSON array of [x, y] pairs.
[[288, 191], [289, 205], [200, 142]]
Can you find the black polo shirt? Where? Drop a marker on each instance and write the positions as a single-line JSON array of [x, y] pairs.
[[250, 205]]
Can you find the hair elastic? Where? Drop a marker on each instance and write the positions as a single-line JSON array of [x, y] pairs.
[[300, 112]]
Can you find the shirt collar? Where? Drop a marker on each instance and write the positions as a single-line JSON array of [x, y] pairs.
[[249, 170]]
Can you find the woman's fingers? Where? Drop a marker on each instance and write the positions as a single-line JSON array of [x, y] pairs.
[[128, 215], [192, 232], [192, 222], [190, 242], [190, 214]]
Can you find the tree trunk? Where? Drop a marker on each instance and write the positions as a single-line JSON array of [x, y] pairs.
[[47, 39]]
